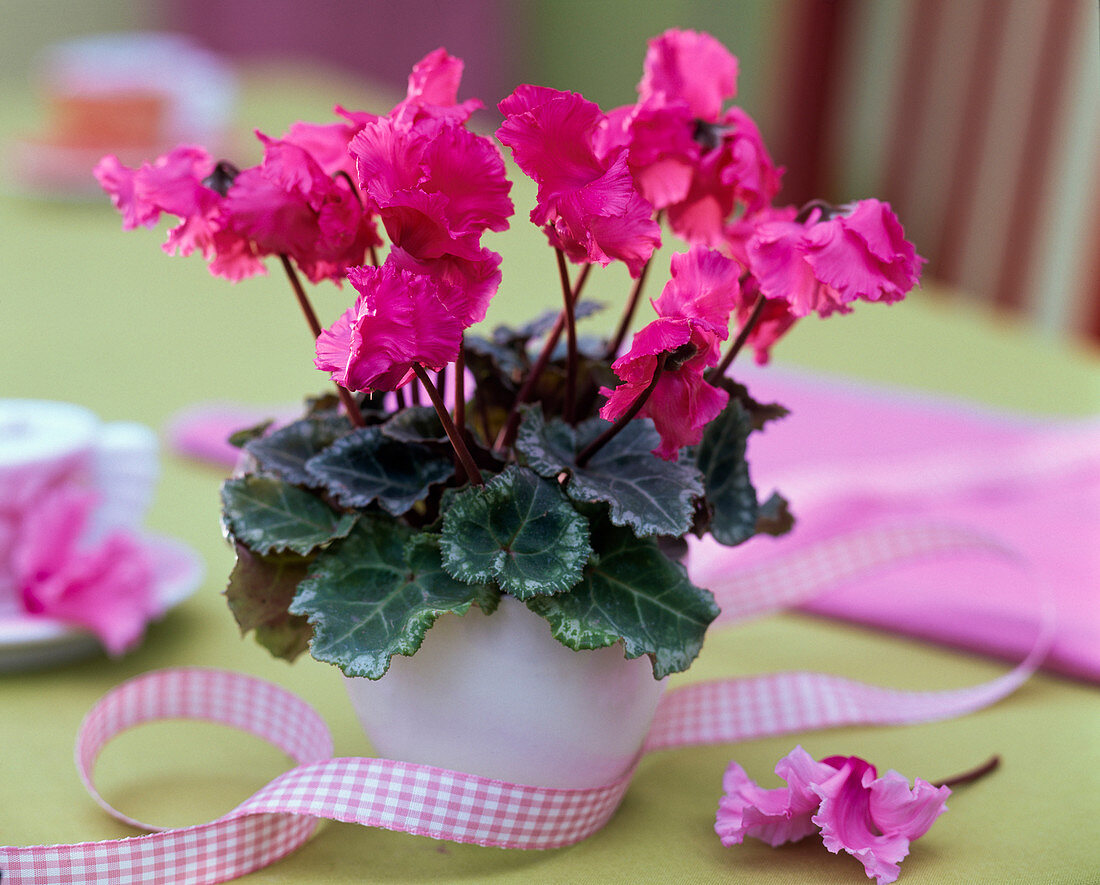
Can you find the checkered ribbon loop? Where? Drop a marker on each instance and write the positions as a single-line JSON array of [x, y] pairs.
[[460, 807]]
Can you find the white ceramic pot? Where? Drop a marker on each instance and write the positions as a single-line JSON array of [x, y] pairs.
[[500, 697]]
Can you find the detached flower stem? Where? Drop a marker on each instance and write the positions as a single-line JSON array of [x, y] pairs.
[[508, 431], [350, 405], [604, 438], [464, 456], [742, 337], [969, 777], [569, 405]]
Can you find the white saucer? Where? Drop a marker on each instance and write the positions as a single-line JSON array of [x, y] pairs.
[[28, 642]]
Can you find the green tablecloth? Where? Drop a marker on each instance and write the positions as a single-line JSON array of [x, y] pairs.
[[102, 318]]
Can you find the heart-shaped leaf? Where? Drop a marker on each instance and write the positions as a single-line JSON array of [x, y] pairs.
[[367, 466], [517, 530], [284, 452], [631, 592], [647, 493], [416, 424], [376, 594], [260, 590], [268, 515], [721, 458]]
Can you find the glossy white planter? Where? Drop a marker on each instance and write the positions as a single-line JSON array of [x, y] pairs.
[[500, 697]]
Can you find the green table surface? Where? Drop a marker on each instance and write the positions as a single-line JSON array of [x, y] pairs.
[[103, 318]]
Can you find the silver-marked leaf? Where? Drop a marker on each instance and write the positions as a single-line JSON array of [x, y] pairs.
[[517, 530], [721, 458], [647, 493], [377, 593], [267, 515], [416, 424], [632, 593], [259, 591], [285, 451], [367, 466]]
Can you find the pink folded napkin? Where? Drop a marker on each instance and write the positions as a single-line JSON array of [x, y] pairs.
[[853, 455]]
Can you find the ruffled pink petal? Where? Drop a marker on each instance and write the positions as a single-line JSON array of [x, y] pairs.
[[773, 816], [847, 823], [432, 95], [864, 254], [416, 221], [739, 231], [895, 808], [469, 170], [327, 143], [470, 283], [551, 136], [691, 66], [234, 257], [703, 286], [400, 320], [387, 160], [681, 405], [776, 256], [118, 181], [748, 169], [660, 336], [701, 216], [682, 402], [662, 153]]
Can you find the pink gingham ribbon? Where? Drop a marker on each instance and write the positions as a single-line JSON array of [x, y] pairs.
[[460, 807]]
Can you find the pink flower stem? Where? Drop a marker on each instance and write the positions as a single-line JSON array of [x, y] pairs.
[[355, 416], [971, 776], [460, 389], [604, 438], [508, 431], [340, 173], [739, 342], [399, 396], [569, 405], [628, 314], [414, 393], [464, 456]]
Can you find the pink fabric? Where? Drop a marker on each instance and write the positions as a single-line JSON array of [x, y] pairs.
[[851, 456], [429, 801]]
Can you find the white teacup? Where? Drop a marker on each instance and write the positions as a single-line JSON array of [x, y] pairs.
[[44, 445]]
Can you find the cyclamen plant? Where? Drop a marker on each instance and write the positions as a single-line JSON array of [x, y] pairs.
[[452, 467]]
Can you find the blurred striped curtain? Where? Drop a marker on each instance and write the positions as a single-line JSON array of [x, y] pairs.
[[979, 120]]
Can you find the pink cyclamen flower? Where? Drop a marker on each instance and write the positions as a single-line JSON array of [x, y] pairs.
[[436, 196], [588, 205], [398, 321], [858, 252], [431, 98], [328, 143], [704, 286], [872, 818], [104, 586], [180, 183], [686, 154], [693, 66], [682, 403], [693, 316], [289, 205]]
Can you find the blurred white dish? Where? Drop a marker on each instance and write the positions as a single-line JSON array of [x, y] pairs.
[[29, 641]]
